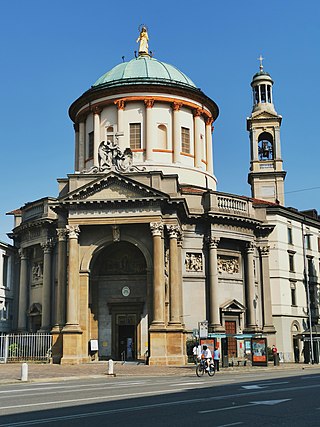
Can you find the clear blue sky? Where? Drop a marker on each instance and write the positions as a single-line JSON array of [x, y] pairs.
[[53, 51]]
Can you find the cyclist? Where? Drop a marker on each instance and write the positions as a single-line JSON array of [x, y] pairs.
[[206, 354]]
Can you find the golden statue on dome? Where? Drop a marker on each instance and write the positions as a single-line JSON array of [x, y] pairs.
[[143, 39]]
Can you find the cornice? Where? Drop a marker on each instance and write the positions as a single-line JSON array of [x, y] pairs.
[[101, 92]]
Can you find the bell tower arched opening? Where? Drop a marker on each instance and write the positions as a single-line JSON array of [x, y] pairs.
[[118, 301]]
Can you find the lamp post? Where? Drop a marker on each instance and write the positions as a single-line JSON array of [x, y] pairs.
[[306, 280]]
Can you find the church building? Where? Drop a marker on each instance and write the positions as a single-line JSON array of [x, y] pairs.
[[139, 247]]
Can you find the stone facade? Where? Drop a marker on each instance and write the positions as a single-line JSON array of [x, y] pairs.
[[139, 246]]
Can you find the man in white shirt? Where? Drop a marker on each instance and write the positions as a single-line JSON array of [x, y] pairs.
[[206, 354], [196, 352]]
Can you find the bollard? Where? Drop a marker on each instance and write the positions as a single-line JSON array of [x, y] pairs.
[[24, 372], [110, 367]]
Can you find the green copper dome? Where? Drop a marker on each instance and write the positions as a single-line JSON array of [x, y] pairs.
[[144, 70]]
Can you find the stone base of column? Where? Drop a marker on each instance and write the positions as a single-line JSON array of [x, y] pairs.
[[251, 329], [216, 328], [72, 347], [70, 327], [269, 329], [167, 347]]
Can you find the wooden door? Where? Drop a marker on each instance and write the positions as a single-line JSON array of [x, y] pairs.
[[232, 342]]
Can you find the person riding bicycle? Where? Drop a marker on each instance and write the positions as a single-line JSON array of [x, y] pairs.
[[206, 354]]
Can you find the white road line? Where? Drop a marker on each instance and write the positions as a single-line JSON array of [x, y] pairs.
[[227, 408], [100, 398], [232, 424]]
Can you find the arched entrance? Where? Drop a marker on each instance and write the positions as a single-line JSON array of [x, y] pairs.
[[118, 301]]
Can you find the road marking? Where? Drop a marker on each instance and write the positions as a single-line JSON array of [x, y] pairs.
[[271, 402], [252, 387], [263, 402], [232, 424], [67, 388], [100, 398]]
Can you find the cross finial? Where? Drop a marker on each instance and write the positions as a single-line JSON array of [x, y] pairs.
[[261, 65]]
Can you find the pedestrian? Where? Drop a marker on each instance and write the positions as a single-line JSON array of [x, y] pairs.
[[196, 351], [275, 355], [296, 354], [216, 359]]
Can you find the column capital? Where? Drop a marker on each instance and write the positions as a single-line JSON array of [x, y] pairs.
[[23, 253], [213, 242], [197, 112], [62, 234], [174, 231], [156, 228], [47, 246], [73, 231], [264, 250], [176, 105], [149, 103], [209, 121], [250, 247], [120, 104], [76, 127], [96, 110]]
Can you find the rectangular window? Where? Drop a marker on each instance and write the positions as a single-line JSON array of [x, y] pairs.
[[291, 262], [5, 271], [290, 236], [135, 136], [310, 266], [293, 294], [90, 145], [185, 140], [318, 244], [308, 241]]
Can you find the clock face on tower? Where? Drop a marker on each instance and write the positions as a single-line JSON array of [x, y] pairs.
[[125, 291]]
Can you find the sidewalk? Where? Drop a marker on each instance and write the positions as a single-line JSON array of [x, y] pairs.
[[11, 373]]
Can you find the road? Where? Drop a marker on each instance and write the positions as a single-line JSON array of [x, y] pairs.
[[286, 398]]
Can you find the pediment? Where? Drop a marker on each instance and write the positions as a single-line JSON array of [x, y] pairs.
[[265, 115], [233, 306], [113, 187]]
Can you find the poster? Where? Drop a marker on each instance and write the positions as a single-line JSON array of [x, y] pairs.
[[210, 343], [259, 351]]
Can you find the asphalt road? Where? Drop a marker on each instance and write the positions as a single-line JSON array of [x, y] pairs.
[[254, 399]]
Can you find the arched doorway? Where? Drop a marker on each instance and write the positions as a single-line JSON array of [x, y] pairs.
[[118, 301]]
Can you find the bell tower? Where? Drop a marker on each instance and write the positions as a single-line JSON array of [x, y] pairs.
[[266, 175]]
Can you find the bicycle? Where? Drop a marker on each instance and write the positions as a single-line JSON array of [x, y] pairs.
[[202, 368]]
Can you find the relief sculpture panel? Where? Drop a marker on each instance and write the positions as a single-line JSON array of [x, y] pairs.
[[228, 265], [193, 262]]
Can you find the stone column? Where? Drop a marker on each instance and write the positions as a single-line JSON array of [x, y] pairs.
[[267, 305], [174, 277], [46, 287], [197, 141], [149, 129], [158, 274], [121, 106], [254, 145], [176, 132], [250, 291], [73, 280], [60, 295], [96, 133], [76, 147], [209, 153], [23, 291], [277, 145], [215, 322], [82, 140]]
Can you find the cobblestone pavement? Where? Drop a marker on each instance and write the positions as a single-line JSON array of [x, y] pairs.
[[43, 372]]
